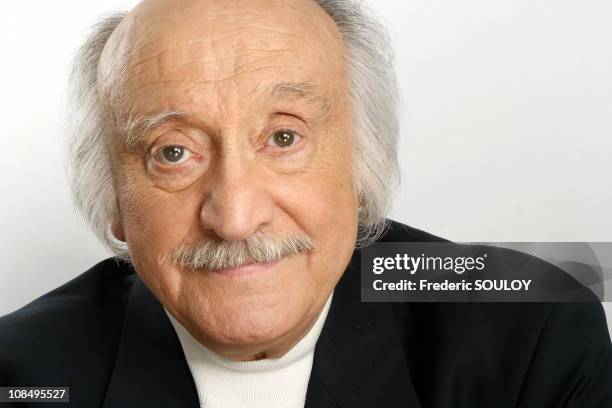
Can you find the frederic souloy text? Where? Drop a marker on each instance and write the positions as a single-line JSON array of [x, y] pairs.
[[446, 285], [412, 264]]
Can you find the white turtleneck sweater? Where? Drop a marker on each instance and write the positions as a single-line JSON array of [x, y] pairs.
[[268, 383]]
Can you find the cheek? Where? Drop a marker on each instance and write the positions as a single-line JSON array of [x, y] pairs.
[[328, 194], [155, 221], [324, 206]]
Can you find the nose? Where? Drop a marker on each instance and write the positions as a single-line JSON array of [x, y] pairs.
[[237, 202]]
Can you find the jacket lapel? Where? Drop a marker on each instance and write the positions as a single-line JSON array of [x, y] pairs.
[[150, 369], [359, 361]]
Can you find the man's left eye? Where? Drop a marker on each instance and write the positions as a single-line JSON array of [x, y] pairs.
[[283, 138], [173, 154]]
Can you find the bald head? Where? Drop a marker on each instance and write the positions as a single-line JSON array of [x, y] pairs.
[[223, 48]]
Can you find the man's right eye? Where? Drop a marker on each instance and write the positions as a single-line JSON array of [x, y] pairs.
[[172, 155]]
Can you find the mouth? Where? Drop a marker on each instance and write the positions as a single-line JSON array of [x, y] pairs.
[[248, 269]]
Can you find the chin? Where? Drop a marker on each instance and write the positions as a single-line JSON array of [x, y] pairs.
[[247, 326]]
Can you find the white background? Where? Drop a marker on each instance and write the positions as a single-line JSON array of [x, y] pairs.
[[506, 135]]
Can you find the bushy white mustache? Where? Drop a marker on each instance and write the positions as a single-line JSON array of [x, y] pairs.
[[218, 254]]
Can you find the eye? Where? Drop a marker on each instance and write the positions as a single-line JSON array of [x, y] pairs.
[[172, 154], [283, 138]]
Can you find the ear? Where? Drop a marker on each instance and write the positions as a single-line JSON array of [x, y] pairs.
[[117, 230]]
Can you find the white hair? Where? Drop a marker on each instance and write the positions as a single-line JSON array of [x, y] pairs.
[[372, 97]]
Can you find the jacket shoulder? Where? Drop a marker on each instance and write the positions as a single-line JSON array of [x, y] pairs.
[[524, 353], [70, 334], [397, 232]]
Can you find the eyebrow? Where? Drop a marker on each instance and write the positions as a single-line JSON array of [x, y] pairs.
[[137, 127], [302, 90]]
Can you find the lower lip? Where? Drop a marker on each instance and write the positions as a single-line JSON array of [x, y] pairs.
[[245, 270]]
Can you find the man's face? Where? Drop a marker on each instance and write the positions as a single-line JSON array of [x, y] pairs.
[[259, 144]]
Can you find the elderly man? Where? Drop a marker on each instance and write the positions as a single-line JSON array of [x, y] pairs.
[[236, 155]]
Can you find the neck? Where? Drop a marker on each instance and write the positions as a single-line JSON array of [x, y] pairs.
[[269, 382]]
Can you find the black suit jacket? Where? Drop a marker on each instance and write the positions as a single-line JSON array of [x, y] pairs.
[[107, 337]]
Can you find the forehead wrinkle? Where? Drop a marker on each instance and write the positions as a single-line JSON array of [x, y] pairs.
[[250, 56], [148, 28], [127, 91], [234, 32], [209, 72]]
